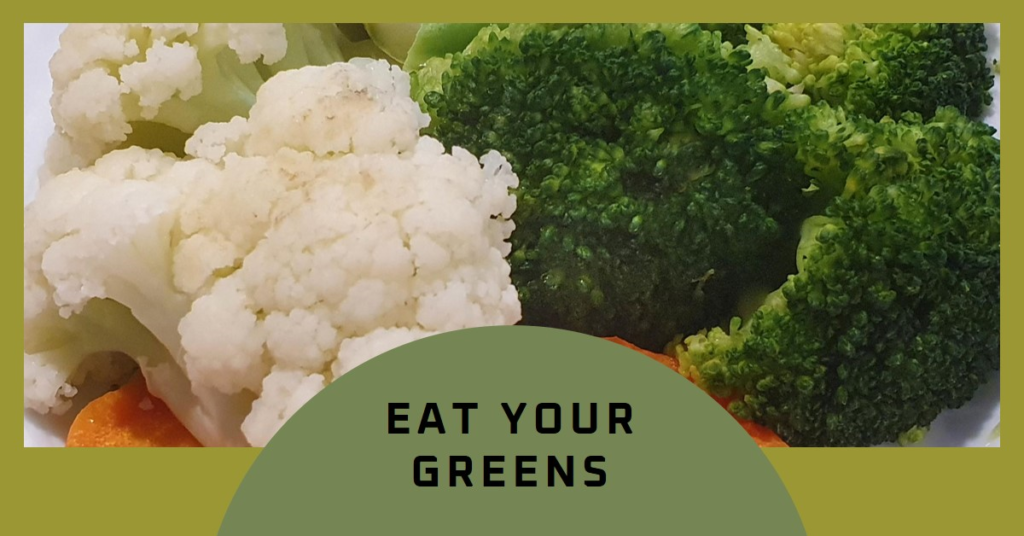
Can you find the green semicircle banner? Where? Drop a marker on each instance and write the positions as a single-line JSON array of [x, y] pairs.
[[421, 438]]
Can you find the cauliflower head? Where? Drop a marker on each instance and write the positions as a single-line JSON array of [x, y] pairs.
[[152, 85], [282, 252]]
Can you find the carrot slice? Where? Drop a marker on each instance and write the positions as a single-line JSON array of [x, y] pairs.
[[129, 417], [666, 360], [132, 417], [761, 435]]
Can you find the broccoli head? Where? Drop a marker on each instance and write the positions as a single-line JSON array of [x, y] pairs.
[[667, 178], [649, 164], [893, 313], [880, 69], [732, 32]]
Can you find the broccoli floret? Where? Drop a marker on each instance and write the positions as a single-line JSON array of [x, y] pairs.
[[732, 32], [883, 69], [649, 164], [665, 181], [893, 314]]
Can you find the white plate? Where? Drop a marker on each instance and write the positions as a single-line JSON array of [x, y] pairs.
[[971, 425]]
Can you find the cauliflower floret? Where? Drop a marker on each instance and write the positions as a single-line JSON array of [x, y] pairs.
[[358, 350], [285, 391], [273, 260], [371, 114], [112, 80], [46, 385]]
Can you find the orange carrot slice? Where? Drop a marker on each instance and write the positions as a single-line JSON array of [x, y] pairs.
[[666, 360], [761, 435], [132, 417], [129, 417]]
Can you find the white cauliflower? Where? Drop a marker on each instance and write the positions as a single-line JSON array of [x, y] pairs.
[[153, 84], [286, 250]]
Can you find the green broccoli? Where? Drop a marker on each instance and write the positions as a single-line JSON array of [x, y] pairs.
[[438, 39], [649, 164], [667, 178], [893, 313], [732, 32], [881, 69]]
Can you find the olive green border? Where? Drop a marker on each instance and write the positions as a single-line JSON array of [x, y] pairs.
[[186, 491]]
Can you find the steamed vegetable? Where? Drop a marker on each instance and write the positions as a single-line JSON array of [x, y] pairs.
[[806, 213], [129, 417], [437, 40], [285, 250], [833, 271], [880, 70], [761, 435], [132, 417], [393, 39], [152, 85], [893, 313], [649, 170], [732, 32]]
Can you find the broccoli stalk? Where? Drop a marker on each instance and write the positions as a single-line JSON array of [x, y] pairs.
[[438, 40]]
